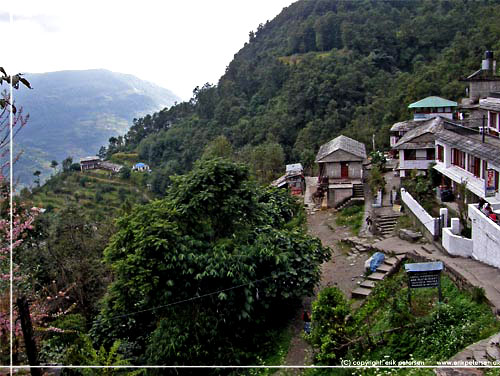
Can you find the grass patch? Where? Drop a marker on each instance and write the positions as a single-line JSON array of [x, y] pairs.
[[404, 221], [351, 217]]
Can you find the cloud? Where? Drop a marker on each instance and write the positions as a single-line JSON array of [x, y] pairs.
[[47, 23], [4, 17]]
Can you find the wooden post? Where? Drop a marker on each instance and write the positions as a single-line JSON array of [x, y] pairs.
[[29, 340]]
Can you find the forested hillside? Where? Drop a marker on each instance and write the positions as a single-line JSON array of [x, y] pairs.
[[320, 68]]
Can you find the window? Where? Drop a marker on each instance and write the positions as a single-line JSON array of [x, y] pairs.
[[458, 158], [410, 155], [474, 166], [493, 120], [440, 153], [431, 154]]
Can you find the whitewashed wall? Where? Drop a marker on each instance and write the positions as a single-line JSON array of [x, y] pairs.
[[456, 245], [429, 222], [485, 237]]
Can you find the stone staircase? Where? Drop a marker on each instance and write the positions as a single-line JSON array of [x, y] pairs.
[[387, 223], [352, 201], [358, 191], [388, 267]]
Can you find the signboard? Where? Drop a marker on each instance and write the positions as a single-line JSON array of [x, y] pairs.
[[423, 279], [424, 274], [489, 183]]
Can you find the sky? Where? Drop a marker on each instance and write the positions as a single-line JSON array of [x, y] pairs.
[[175, 44]]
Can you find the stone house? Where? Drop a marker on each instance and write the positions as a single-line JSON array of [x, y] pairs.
[[341, 168], [416, 148]]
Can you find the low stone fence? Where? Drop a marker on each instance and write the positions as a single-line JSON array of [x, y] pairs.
[[430, 223], [455, 244], [486, 238]]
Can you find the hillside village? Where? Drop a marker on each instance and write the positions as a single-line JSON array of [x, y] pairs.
[[459, 144], [333, 201]]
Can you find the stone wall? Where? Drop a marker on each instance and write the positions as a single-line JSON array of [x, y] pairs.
[[332, 170], [336, 195], [481, 89]]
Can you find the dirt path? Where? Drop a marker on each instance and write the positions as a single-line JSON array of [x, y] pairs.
[[342, 271]]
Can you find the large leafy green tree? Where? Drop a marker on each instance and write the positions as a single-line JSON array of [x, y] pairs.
[[202, 273]]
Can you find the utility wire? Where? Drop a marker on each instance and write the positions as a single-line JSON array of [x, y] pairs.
[[187, 300]]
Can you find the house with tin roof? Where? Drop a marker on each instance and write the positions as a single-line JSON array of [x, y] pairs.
[[341, 168], [430, 107]]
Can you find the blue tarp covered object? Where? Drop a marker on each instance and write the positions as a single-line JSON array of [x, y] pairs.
[[377, 259]]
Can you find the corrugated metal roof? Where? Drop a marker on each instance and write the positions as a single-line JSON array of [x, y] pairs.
[[433, 102], [342, 143], [429, 126]]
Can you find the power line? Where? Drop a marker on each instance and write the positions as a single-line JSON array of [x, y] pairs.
[[188, 299]]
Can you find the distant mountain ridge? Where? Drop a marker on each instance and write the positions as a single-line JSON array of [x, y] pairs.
[[74, 112]]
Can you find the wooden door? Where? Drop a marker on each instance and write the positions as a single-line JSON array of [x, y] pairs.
[[344, 170]]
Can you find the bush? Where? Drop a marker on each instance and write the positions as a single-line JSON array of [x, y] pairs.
[[329, 329]]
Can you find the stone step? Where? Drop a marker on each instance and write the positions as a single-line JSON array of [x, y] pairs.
[[387, 226], [384, 268], [377, 276], [386, 221], [391, 261], [480, 356], [367, 284], [400, 256], [361, 292], [493, 352], [388, 218]]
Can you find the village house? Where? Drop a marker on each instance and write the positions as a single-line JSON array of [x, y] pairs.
[[141, 167], [416, 147], [94, 162], [90, 163], [491, 107], [430, 107], [111, 166], [482, 83], [293, 179], [423, 110], [341, 168], [465, 154]]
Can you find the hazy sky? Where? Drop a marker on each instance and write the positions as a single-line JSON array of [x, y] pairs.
[[175, 44]]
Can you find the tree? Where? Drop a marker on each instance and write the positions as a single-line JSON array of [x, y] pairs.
[[236, 252], [329, 334], [102, 152], [54, 164], [376, 180], [16, 216], [125, 172], [36, 174], [66, 164], [218, 148]]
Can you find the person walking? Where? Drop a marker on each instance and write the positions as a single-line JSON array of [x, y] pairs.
[[307, 321]]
